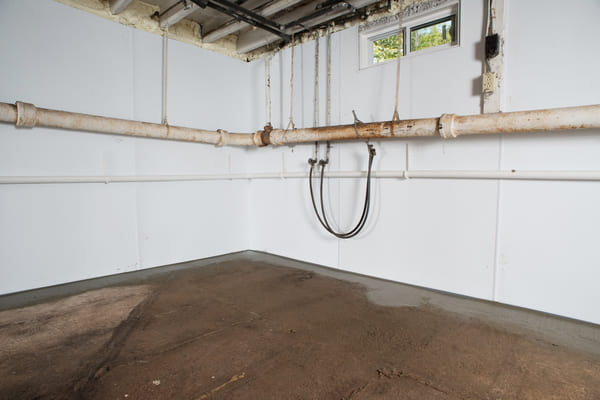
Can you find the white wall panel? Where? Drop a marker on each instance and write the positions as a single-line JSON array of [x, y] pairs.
[[547, 250], [433, 233], [67, 59], [549, 258], [557, 72], [51, 234], [182, 221], [283, 222], [575, 150], [63, 58]]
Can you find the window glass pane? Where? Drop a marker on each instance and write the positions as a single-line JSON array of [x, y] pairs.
[[432, 34], [387, 48]]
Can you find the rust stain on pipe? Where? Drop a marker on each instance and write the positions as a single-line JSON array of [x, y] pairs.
[[451, 126], [446, 126], [372, 130]]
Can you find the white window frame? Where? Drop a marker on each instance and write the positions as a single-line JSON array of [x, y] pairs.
[[413, 16]]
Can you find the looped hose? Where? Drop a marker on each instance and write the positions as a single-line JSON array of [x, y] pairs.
[[323, 218]]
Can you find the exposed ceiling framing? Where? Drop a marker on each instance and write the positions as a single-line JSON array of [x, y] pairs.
[[244, 29]]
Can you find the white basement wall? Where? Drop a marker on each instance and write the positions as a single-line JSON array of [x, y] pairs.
[[530, 244], [525, 243], [57, 57]]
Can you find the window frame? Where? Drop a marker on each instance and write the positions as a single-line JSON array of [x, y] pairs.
[[384, 29], [386, 34]]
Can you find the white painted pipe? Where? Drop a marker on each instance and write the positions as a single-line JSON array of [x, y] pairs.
[[433, 174], [118, 6], [27, 115], [446, 126]]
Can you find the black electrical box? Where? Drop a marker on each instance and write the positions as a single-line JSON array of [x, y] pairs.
[[492, 46]]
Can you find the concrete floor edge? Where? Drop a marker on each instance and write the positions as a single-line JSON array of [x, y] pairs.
[[553, 329]]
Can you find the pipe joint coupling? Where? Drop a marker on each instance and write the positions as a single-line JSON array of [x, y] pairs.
[[26, 115], [261, 138], [446, 126], [223, 138]]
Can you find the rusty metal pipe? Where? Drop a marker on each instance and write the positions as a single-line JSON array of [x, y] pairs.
[[449, 126], [27, 115], [446, 126], [371, 130], [554, 119]]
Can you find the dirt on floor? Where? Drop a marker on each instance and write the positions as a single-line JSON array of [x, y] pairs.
[[248, 330]]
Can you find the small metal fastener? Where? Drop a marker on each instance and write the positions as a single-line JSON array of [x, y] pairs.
[[356, 122]]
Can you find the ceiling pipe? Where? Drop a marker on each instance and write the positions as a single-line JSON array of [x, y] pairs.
[[446, 126], [118, 6], [176, 13], [27, 115], [254, 39], [234, 26]]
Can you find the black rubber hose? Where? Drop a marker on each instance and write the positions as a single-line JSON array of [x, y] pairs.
[[365, 213]]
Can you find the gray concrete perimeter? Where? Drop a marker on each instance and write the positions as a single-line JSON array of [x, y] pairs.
[[560, 331]]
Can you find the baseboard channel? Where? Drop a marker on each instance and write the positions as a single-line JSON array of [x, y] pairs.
[[555, 330]]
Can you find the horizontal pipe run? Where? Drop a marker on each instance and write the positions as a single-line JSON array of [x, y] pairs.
[[27, 115], [424, 174], [449, 126], [234, 25], [446, 126]]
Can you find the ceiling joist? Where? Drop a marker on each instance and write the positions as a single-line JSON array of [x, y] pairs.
[[243, 29]]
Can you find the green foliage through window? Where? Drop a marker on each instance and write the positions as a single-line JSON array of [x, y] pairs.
[[387, 48], [432, 34]]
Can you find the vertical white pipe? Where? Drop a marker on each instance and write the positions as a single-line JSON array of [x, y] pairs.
[[316, 101], [328, 120], [268, 89], [165, 75]]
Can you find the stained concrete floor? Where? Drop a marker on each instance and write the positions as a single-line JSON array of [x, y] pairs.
[[245, 329]]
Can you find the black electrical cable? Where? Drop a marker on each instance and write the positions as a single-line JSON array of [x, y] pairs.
[[365, 213]]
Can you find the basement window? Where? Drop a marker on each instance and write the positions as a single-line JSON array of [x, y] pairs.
[[432, 34], [430, 25], [386, 48]]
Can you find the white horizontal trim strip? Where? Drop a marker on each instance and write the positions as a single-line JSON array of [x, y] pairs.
[[422, 174]]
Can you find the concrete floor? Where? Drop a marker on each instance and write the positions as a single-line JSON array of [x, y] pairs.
[[244, 328]]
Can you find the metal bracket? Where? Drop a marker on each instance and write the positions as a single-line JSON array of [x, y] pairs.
[[356, 122]]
